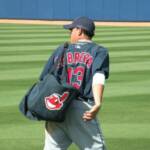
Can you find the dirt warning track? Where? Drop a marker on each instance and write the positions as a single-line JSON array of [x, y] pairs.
[[51, 22]]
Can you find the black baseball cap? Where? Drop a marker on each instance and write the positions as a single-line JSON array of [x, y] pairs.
[[83, 23]]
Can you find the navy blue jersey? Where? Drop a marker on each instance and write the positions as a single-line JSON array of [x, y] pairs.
[[82, 61]]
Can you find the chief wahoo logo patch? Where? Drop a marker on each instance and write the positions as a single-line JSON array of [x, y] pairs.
[[55, 101]]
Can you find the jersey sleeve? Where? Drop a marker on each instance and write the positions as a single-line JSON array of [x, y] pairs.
[[50, 62], [101, 63]]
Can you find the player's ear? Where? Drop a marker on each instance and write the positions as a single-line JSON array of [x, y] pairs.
[[79, 31]]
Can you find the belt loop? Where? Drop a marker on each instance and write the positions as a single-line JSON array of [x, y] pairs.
[[82, 99]]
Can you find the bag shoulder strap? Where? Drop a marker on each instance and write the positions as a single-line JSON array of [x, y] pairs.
[[61, 61]]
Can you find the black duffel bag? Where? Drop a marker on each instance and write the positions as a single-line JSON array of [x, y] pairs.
[[48, 99]]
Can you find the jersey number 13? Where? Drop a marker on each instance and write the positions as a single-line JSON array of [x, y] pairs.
[[75, 76]]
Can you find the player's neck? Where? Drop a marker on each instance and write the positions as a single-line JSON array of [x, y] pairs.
[[85, 40]]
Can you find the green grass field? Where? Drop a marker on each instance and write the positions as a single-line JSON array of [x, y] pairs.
[[125, 116]]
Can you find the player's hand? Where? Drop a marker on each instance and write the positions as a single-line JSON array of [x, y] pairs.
[[91, 114]]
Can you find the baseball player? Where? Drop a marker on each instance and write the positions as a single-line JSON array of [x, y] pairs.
[[87, 70]]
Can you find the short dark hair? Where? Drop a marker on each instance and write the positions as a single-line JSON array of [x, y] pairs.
[[90, 35]]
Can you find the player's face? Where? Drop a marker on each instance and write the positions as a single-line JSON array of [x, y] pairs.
[[75, 33]]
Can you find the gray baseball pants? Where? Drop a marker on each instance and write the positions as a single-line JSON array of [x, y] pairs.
[[86, 135]]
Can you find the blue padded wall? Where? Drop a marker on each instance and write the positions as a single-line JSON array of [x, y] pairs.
[[104, 10]]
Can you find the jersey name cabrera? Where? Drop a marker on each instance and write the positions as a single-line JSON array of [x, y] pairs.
[[78, 62], [79, 57]]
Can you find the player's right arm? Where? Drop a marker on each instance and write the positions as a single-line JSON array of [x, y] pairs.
[[97, 88], [100, 72]]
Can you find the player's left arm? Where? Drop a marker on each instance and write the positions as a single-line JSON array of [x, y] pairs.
[[52, 59]]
